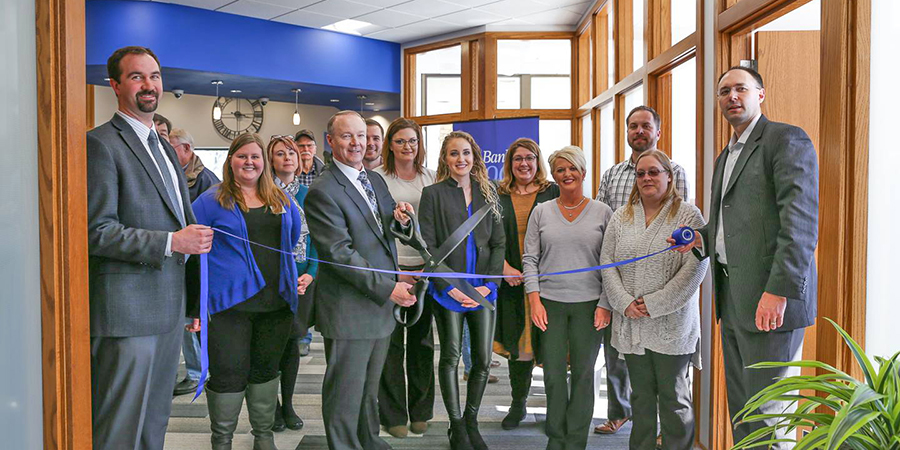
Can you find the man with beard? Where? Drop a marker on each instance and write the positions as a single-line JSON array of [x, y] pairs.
[[615, 186], [140, 229], [374, 143], [310, 164]]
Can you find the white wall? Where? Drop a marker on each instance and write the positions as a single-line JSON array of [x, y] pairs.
[[194, 114], [21, 425], [882, 307]]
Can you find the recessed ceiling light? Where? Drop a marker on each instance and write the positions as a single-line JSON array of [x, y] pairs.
[[334, 100], [235, 91], [348, 26], [370, 104], [376, 109], [106, 79]]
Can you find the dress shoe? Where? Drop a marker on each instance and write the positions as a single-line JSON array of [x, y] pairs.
[[304, 348], [491, 378], [495, 363], [418, 427], [398, 431], [186, 386]]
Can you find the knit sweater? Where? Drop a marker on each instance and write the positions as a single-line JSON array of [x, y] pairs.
[[668, 283]]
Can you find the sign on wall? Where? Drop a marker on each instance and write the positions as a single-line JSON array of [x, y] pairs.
[[494, 137]]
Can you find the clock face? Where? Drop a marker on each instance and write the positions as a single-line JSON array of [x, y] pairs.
[[239, 116]]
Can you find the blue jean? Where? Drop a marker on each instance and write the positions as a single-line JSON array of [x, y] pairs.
[[307, 339], [190, 346], [466, 348]]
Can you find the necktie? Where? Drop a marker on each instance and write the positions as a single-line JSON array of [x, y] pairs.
[[153, 143], [370, 194]]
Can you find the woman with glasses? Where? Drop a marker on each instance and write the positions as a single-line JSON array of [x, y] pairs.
[[405, 174], [252, 291], [656, 319], [285, 161], [570, 310], [462, 188], [523, 187]]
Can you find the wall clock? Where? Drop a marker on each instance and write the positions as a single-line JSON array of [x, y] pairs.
[[239, 116]]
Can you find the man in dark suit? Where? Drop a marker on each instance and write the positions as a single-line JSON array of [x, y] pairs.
[[140, 227], [349, 210], [762, 234]]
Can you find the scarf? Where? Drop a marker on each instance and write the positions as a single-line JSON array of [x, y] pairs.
[[193, 169]]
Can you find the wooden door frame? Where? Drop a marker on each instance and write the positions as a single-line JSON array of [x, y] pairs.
[[62, 181], [843, 174]]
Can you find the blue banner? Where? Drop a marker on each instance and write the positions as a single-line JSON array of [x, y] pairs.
[[494, 137]]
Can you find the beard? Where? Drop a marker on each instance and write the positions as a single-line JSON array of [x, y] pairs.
[[147, 107], [640, 146]]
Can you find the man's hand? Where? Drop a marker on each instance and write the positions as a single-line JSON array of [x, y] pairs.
[[399, 211], [637, 309], [192, 240], [513, 276], [602, 316], [770, 312], [697, 243], [193, 327], [401, 295], [303, 282], [411, 279], [463, 299]]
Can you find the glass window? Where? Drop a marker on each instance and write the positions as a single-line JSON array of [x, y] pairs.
[[213, 158], [684, 19], [542, 69], [587, 140], [434, 137], [633, 98], [607, 138], [637, 16], [684, 121], [438, 81]]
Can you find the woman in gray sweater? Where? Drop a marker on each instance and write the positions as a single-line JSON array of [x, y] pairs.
[[570, 310], [656, 314]]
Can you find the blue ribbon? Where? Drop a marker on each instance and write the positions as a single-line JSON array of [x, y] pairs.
[[681, 236]]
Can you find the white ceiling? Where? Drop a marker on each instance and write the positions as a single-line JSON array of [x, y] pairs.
[[405, 20]]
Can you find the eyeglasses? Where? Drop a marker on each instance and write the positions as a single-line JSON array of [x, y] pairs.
[[652, 172], [402, 142], [282, 136], [521, 159]]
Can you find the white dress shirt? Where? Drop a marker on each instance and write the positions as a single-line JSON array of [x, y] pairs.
[[735, 145], [352, 174], [143, 132]]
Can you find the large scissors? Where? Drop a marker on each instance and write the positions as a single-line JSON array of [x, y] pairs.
[[435, 262]]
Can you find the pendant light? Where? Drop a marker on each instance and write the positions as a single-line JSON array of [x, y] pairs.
[[296, 107], [362, 98], [217, 111]]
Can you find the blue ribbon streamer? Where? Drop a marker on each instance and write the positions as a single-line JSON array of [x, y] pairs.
[[681, 236]]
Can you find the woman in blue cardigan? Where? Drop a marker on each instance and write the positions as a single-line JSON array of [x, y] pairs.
[[285, 160], [252, 291]]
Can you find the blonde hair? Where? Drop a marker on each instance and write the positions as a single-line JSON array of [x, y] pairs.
[[573, 154], [671, 192], [509, 180], [230, 192], [478, 173]]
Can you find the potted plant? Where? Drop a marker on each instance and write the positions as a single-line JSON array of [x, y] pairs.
[[864, 414]]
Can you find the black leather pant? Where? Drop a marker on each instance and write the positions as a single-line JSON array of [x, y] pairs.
[[481, 329]]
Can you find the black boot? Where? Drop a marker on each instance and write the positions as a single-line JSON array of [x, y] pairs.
[[261, 411], [472, 430], [224, 410], [279, 425], [520, 381], [459, 437]]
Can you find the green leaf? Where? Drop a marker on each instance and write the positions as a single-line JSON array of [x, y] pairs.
[[858, 353]]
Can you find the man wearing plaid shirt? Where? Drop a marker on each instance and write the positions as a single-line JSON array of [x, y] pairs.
[[615, 187]]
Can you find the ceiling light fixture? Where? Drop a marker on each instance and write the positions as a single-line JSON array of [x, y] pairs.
[[235, 91], [361, 98], [296, 117], [217, 111], [334, 100], [348, 26], [370, 103]]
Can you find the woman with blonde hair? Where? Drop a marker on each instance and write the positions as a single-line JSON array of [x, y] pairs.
[[656, 319], [462, 187], [252, 291], [524, 186]]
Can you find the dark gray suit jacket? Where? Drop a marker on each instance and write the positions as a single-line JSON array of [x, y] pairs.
[[771, 214], [135, 290], [350, 303]]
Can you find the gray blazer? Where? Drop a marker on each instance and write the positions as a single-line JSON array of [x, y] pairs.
[[350, 303], [771, 214], [135, 290]]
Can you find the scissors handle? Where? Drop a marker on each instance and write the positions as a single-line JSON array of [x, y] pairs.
[[412, 236], [402, 315]]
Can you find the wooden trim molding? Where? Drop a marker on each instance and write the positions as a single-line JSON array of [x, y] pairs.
[[62, 179]]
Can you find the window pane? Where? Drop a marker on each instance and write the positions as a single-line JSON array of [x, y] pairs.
[[607, 138], [637, 15], [434, 137], [438, 74], [633, 98], [527, 60], [587, 139], [684, 121], [551, 92], [509, 92], [684, 19], [554, 135]]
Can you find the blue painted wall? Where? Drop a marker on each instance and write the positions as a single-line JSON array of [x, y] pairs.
[[209, 41]]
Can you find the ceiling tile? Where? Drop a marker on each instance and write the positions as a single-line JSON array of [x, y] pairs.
[[579, 8], [472, 18], [380, 3], [390, 18], [204, 4], [429, 8], [554, 17], [307, 19], [398, 35], [292, 4], [511, 22], [473, 3], [340, 8], [251, 8], [560, 3], [515, 8]]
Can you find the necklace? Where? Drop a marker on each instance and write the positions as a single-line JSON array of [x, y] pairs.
[[570, 209]]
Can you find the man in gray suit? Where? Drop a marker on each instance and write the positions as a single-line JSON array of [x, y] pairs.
[[139, 231], [762, 232], [349, 211]]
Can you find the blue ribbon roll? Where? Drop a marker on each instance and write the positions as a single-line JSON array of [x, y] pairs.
[[683, 236]]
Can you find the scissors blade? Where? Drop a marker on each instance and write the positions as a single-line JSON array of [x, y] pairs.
[[465, 287], [458, 236]]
